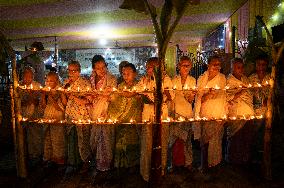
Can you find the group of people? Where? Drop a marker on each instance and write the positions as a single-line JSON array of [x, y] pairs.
[[130, 145]]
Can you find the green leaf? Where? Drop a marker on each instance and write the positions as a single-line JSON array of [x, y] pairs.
[[137, 5]]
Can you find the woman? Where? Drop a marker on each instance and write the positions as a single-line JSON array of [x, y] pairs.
[[30, 109], [240, 104], [149, 82], [54, 104], [210, 103], [126, 107], [180, 136], [101, 139]]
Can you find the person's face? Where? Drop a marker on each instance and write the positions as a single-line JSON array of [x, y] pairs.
[[214, 67], [184, 67], [261, 66], [128, 75], [28, 77], [238, 69], [73, 72], [51, 81], [100, 69], [150, 66]]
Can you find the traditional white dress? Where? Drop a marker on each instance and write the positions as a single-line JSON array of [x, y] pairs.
[[32, 110], [77, 110], [182, 108], [54, 145], [146, 133], [102, 136], [240, 106], [211, 132]]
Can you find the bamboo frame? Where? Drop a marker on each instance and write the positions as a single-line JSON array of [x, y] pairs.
[[276, 54], [18, 131]]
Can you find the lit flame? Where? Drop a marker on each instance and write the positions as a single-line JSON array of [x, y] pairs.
[[174, 87], [227, 87], [167, 120], [131, 120], [114, 89], [252, 117], [101, 89], [233, 118], [258, 85], [31, 86], [78, 89], [249, 85], [185, 87], [109, 121], [191, 119], [181, 119], [217, 87], [88, 89], [24, 119]]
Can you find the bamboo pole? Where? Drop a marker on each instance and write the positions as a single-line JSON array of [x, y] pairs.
[[18, 131], [276, 54]]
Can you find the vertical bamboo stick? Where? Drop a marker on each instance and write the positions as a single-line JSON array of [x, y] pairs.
[[18, 131], [276, 54]]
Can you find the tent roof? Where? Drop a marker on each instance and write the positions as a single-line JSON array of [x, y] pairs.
[[83, 23]]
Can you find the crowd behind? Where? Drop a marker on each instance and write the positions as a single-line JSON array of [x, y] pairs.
[[104, 147]]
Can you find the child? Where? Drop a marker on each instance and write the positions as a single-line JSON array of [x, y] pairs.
[[54, 104], [126, 107]]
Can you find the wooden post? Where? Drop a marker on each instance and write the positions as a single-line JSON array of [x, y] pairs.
[[18, 131], [276, 54], [233, 40]]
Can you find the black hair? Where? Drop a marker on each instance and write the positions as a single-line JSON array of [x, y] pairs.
[[73, 62], [263, 57], [122, 64], [155, 59], [53, 69], [237, 60], [97, 58], [130, 65], [214, 57], [184, 58]]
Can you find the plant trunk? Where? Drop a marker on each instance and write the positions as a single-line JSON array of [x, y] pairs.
[[268, 126]]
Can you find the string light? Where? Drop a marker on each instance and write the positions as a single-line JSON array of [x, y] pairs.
[[167, 120], [145, 90]]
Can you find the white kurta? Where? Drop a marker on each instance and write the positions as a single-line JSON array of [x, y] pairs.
[[102, 137], [30, 109], [182, 108], [242, 106], [211, 132], [146, 134]]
